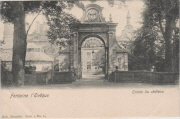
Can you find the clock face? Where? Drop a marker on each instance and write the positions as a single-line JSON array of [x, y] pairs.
[[92, 14]]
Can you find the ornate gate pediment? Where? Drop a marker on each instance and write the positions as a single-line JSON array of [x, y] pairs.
[[93, 13]]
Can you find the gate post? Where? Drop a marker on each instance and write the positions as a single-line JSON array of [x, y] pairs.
[[79, 63], [110, 52], [75, 54], [106, 63]]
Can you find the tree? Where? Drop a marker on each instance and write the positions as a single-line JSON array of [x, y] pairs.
[[155, 39], [14, 12], [144, 52], [163, 15], [175, 50]]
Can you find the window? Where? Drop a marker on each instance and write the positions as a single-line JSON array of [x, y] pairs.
[[88, 55], [88, 65]]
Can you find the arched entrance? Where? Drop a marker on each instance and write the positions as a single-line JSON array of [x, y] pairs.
[[93, 56], [94, 35]]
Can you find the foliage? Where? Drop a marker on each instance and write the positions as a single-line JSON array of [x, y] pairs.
[[7, 13], [144, 49], [59, 25], [146, 52], [99, 59], [153, 44]]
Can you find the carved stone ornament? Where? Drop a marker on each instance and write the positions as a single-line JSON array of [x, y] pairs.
[[93, 13]]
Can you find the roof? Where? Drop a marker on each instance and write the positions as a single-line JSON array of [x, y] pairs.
[[30, 56], [38, 56], [32, 45]]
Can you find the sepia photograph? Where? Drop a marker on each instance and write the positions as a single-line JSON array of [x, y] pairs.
[[108, 59]]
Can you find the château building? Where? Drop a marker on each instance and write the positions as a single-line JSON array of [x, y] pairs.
[[35, 55]]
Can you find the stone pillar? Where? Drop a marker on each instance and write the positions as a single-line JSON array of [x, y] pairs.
[[110, 51], [75, 54], [70, 55], [106, 62], [112, 43], [70, 59], [79, 63]]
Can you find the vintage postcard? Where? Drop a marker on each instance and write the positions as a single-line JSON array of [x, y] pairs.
[[89, 59]]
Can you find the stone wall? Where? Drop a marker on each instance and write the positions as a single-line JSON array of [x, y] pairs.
[[145, 77]]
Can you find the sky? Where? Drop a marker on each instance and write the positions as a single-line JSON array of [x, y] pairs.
[[135, 8]]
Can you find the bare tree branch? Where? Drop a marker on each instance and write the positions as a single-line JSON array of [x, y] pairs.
[[33, 21]]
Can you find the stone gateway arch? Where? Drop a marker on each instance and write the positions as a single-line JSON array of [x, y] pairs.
[[93, 26]]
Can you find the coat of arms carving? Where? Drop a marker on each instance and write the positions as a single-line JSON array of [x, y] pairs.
[[93, 13]]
